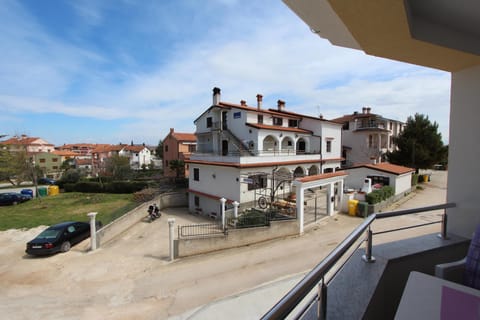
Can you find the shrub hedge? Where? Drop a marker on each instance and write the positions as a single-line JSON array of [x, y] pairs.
[[379, 195], [117, 187]]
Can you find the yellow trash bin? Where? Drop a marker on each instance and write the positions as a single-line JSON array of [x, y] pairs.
[[425, 178], [352, 207], [53, 190]]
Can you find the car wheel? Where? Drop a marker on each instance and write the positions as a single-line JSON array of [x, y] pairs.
[[65, 246]]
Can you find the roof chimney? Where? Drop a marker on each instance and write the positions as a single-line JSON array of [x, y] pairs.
[[281, 105], [364, 110], [171, 130], [259, 101], [368, 110], [243, 103], [216, 96]]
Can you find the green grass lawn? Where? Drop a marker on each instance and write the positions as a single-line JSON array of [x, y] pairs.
[[65, 207]]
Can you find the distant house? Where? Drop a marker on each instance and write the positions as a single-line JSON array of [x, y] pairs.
[[177, 146], [367, 137], [81, 150], [385, 174], [140, 156], [84, 164], [30, 145], [100, 155], [50, 163]]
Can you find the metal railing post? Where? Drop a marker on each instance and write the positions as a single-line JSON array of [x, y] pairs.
[[443, 230], [322, 300], [367, 257]]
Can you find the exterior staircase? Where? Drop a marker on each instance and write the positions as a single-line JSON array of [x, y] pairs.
[[241, 147]]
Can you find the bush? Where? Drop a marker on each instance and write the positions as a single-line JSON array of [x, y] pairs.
[[124, 186], [253, 218], [373, 197], [379, 195], [69, 187], [389, 192], [415, 177], [89, 187]]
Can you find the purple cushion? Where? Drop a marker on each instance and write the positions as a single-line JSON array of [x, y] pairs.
[[472, 264]]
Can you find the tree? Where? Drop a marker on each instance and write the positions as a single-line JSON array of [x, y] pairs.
[[119, 167], [419, 145], [71, 176], [16, 167], [159, 150], [68, 164], [178, 166]]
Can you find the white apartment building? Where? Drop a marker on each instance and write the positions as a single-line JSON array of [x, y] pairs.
[[244, 153], [367, 137]]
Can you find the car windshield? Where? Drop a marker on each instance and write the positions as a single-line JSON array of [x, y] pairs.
[[49, 234]]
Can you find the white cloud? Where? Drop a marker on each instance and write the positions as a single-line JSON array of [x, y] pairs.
[[273, 54]]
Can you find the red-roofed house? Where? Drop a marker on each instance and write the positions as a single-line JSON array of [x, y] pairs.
[[29, 144], [177, 146], [367, 137], [385, 174], [101, 154], [80, 149], [244, 152], [140, 156]]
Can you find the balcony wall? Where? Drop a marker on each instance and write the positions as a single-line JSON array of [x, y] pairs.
[[263, 157], [377, 287]]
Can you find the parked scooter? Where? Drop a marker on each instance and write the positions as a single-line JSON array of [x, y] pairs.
[[153, 212]]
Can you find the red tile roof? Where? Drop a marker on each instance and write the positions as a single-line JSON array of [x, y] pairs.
[[259, 165], [65, 153], [134, 148], [83, 161], [289, 113], [322, 176], [256, 109], [78, 145], [22, 141], [184, 136], [387, 167]]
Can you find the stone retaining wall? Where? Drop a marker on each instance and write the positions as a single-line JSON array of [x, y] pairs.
[[120, 225]]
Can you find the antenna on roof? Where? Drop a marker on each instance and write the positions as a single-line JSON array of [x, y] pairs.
[[320, 115]]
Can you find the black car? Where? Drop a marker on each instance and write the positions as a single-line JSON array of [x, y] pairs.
[[46, 181], [12, 198], [58, 238]]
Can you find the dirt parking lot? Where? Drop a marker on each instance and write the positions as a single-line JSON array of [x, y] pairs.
[[132, 277]]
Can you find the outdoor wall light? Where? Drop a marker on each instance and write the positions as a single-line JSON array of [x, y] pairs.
[[214, 175]]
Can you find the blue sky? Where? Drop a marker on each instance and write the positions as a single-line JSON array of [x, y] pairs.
[[111, 71]]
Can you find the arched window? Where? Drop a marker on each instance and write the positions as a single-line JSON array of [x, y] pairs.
[[270, 144], [299, 172]]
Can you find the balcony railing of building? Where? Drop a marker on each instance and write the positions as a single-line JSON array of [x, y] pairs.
[[372, 124], [236, 153], [317, 277]]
